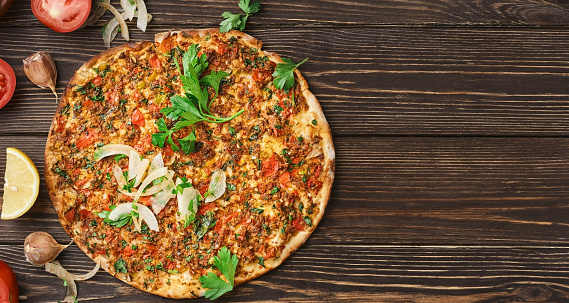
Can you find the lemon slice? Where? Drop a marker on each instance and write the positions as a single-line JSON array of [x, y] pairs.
[[21, 186]]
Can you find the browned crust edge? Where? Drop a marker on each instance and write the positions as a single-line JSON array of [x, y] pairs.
[[57, 196]]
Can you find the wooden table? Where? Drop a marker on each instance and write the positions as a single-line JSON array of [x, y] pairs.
[[451, 126]]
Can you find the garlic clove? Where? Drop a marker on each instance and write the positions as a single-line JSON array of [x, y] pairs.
[[41, 248], [40, 69]]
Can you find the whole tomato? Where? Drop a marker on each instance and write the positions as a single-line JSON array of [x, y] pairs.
[[8, 284]]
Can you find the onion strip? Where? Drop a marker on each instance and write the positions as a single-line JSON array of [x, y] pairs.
[[151, 177], [142, 20], [122, 23], [217, 186], [129, 9], [55, 268]]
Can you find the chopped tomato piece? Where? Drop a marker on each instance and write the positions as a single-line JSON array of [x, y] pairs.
[[298, 224], [270, 166], [223, 221], [145, 200], [70, 215], [296, 160], [204, 208], [284, 179], [317, 171], [60, 124], [85, 214], [138, 118], [168, 151], [128, 251], [98, 80], [155, 62], [88, 103], [86, 139], [222, 49], [270, 253]]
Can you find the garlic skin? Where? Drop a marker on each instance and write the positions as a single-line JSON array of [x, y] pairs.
[[41, 70], [41, 248]]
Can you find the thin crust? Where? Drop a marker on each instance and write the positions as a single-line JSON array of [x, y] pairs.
[[185, 284]]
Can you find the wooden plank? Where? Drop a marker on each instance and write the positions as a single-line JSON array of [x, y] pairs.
[[356, 273], [400, 81], [341, 13], [410, 190]]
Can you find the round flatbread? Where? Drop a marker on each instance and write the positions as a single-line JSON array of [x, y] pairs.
[[244, 166]]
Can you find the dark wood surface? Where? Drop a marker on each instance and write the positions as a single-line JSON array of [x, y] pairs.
[[451, 126]]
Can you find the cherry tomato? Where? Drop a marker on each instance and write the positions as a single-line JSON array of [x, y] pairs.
[[61, 16], [8, 284], [7, 82], [4, 5]]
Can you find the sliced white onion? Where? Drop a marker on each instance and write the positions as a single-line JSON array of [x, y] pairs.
[[148, 217], [133, 165], [119, 17], [157, 162], [112, 149], [88, 275], [216, 186], [55, 268], [121, 209], [161, 172], [129, 9], [162, 197], [190, 194], [141, 171], [144, 213], [121, 181], [142, 20]]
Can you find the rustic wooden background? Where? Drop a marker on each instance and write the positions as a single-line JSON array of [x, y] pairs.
[[451, 125]]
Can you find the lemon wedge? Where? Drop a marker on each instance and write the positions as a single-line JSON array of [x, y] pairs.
[[21, 184]]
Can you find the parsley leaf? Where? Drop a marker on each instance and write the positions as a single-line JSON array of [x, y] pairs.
[[227, 264], [284, 74], [120, 222], [248, 7], [194, 105], [237, 21]]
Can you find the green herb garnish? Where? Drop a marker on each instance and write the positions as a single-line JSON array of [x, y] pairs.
[[227, 264], [233, 21], [284, 74], [194, 106]]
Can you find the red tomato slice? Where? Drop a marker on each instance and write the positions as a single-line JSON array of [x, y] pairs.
[[62, 16], [8, 284], [7, 82]]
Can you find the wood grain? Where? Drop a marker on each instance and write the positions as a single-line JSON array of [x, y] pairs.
[[342, 13], [403, 81]]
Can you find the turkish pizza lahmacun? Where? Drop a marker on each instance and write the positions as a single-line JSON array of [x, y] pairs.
[[155, 201]]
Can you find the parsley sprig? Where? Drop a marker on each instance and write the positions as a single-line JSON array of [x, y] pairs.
[[194, 105], [284, 74], [227, 264], [237, 21], [122, 220]]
